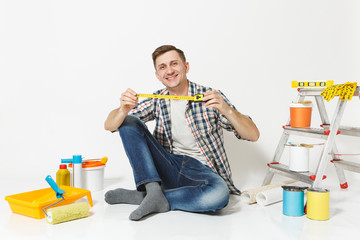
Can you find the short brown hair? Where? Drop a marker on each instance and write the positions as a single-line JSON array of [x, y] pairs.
[[166, 48]]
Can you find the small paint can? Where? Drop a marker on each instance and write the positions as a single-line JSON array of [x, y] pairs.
[[299, 159], [318, 203], [293, 200], [300, 114]]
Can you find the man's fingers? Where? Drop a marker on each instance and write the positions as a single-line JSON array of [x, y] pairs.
[[213, 103], [128, 98], [129, 94], [209, 95]]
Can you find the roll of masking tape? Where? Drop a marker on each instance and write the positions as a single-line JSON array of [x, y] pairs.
[[318, 203]]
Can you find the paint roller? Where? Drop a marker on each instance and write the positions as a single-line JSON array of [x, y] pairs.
[[55, 215]]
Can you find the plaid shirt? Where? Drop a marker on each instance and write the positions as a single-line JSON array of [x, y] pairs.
[[206, 125]]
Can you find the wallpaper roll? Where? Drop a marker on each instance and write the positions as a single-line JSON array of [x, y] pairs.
[[269, 196], [249, 196]]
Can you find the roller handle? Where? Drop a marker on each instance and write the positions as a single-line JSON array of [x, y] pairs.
[[59, 192]]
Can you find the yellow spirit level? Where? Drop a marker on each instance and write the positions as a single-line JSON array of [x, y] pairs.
[[296, 84]]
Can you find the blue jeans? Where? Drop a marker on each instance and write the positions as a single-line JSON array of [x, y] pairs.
[[188, 184]]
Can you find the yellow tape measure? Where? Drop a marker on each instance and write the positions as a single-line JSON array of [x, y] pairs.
[[196, 98], [296, 84]]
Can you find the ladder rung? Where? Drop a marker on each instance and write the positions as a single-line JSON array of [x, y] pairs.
[[284, 170], [310, 91], [349, 131], [347, 165], [307, 132]]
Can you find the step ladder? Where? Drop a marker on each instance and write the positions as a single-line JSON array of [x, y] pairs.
[[327, 131]]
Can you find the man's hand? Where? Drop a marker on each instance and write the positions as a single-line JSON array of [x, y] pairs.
[[242, 124], [128, 100], [213, 99]]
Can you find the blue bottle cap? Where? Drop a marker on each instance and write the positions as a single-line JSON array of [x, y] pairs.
[[77, 159]]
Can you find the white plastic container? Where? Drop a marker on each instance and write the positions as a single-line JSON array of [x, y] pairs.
[[92, 175], [93, 178], [299, 159]]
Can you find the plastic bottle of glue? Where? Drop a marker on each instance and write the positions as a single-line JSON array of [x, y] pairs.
[[77, 171], [63, 176], [76, 162]]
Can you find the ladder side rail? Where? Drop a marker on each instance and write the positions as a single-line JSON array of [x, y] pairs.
[[277, 156], [322, 110], [341, 176], [339, 169], [325, 121], [280, 147], [329, 143], [351, 131]]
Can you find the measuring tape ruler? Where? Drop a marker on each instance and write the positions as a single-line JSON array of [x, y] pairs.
[[196, 98], [296, 84]]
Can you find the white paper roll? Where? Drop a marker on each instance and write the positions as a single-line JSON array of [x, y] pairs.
[[249, 196], [269, 196]]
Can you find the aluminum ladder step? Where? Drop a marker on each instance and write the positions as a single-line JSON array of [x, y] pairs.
[[348, 131], [283, 169], [322, 132], [347, 165], [307, 132]]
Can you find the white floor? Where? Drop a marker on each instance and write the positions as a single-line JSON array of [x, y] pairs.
[[237, 221]]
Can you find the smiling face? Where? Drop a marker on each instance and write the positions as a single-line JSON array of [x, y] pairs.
[[171, 70]]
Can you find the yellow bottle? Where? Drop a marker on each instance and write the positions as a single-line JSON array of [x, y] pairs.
[[63, 176]]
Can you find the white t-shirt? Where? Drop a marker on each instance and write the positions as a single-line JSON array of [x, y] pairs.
[[183, 139]]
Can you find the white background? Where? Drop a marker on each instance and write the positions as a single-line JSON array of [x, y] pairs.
[[64, 64]]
